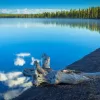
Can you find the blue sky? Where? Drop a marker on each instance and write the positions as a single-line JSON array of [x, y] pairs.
[[48, 3]]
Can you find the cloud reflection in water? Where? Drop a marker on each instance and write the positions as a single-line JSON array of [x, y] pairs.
[[20, 59], [15, 82]]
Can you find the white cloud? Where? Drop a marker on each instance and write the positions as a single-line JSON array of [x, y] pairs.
[[26, 85], [12, 75], [8, 76], [19, 61], [23, 54], [33, 59], [13, 80], [9, 95], [12, 94], [3, 77], [28, 11], [29, 25]]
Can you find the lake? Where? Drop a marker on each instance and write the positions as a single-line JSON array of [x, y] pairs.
[[24, 40]]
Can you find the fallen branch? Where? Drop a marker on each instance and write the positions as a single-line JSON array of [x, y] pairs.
[[45, 74]]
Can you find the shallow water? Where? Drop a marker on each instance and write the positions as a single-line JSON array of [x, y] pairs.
[[64, 40]]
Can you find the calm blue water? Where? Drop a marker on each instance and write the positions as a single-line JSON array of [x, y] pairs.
[[64, 40]]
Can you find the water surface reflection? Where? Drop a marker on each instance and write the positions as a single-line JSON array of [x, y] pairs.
[[91, 24], [24, 40]]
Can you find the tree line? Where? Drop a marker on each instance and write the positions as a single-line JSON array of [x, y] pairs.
[[90, 13]]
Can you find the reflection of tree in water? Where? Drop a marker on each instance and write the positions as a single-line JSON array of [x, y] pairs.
[[93, 25]]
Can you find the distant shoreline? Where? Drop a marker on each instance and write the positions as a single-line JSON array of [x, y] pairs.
[[90, 13], [46, 18]]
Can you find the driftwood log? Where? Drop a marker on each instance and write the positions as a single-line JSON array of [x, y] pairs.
[[44, 74]]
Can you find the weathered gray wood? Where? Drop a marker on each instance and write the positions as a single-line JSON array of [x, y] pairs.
[[42, 75], [45, 61]]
